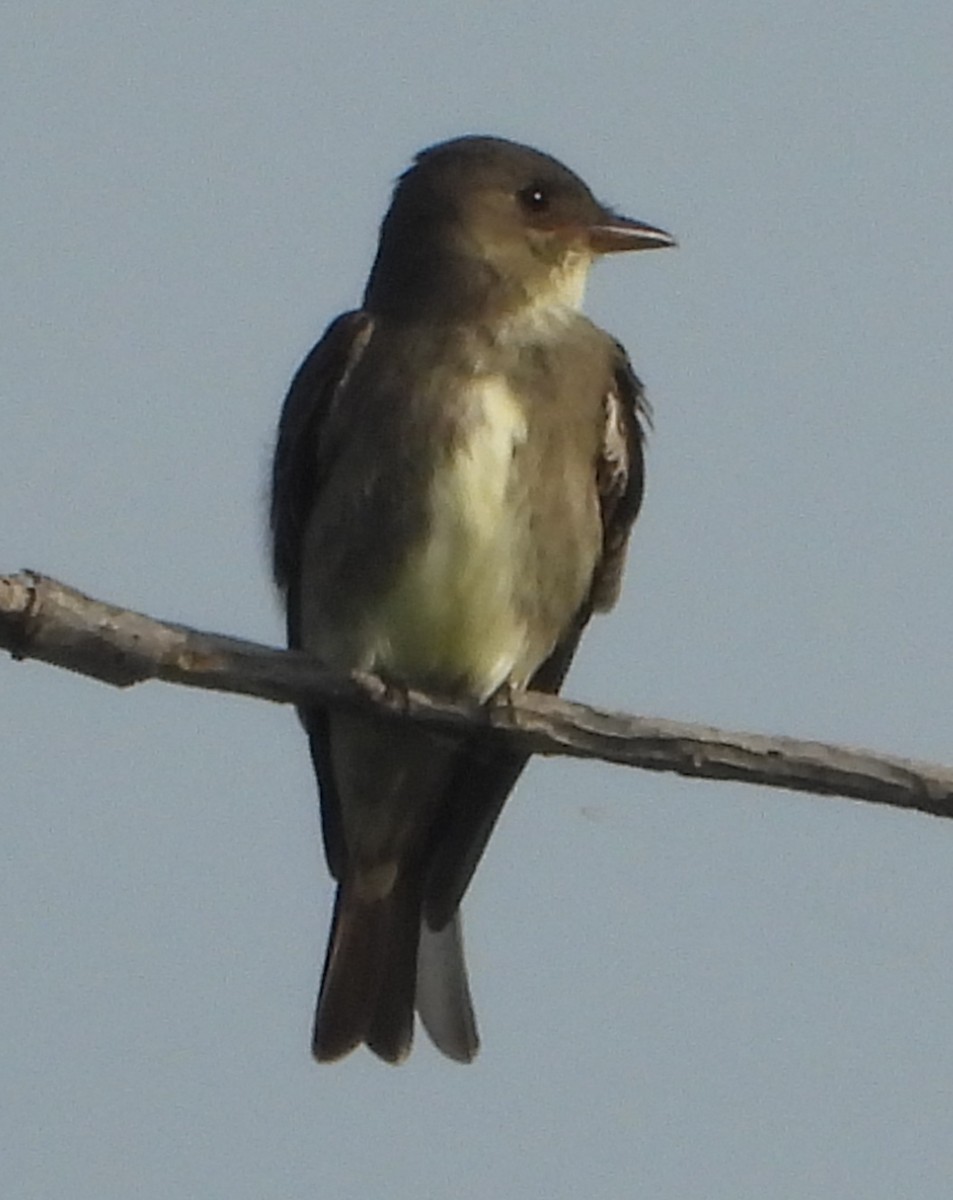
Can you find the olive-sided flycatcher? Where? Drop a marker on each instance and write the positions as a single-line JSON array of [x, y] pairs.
[[458, 465]]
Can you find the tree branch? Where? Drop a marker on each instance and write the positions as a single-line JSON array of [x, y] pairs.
[[48, 621]]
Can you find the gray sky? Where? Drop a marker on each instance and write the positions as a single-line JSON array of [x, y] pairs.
[[685, 989]]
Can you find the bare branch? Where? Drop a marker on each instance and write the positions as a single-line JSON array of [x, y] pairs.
[[46, 620]]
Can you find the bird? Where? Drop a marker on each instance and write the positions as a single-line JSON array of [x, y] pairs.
[[457, 468]]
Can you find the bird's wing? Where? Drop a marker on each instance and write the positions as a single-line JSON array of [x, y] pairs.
[[620, 475], [304, 449], [486, 773]]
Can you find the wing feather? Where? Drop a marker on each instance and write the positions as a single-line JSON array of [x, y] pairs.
[[303, 450], [620, 476], [302, 446]]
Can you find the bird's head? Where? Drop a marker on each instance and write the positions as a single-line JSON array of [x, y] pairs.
[[499, 224]]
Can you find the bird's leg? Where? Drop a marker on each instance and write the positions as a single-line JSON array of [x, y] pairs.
[[396, 695], [503, 698]]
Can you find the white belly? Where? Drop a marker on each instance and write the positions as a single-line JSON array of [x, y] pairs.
[[453, 614]]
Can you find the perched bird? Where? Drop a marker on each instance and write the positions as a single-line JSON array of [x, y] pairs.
[[458, 465]]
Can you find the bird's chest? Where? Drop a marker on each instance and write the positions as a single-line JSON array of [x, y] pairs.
[[474, 494], [454, 613]]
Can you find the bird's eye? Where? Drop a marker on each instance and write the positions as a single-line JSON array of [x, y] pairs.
[[535, 198]]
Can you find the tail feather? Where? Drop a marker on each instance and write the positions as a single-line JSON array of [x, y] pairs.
[[391, 1028], [381, 960], [367, 989], [443, 993]]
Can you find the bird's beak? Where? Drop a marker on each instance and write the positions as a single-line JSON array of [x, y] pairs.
[[614, 233]]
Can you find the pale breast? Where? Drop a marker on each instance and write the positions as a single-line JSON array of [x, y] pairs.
[[452, 614]]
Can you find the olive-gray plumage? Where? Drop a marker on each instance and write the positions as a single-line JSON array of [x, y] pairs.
[[459, 463]]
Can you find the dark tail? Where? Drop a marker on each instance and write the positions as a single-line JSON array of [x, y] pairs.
[[372, 976], [370, 972]]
